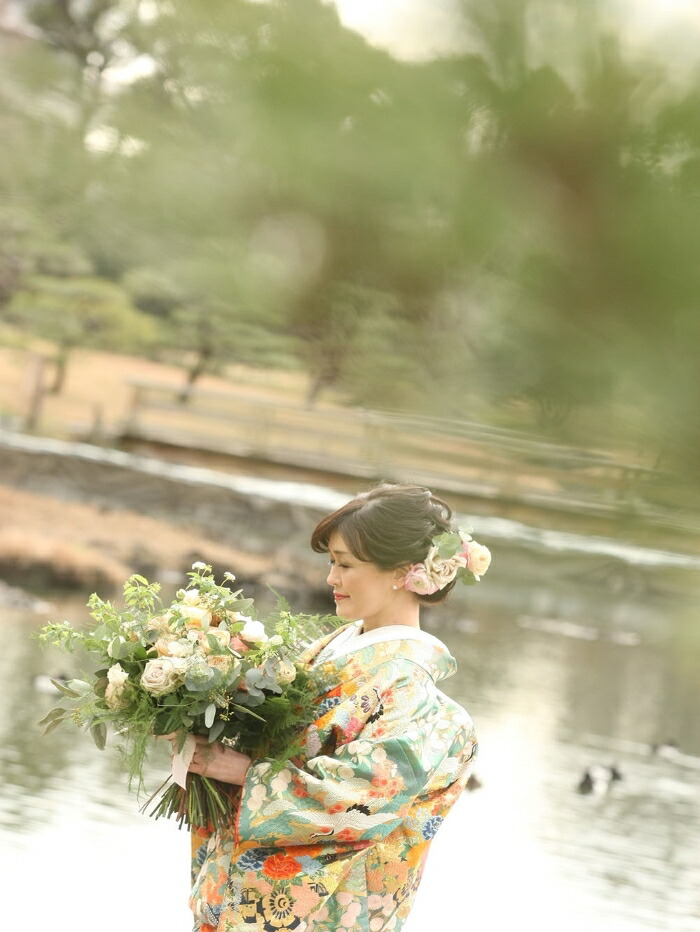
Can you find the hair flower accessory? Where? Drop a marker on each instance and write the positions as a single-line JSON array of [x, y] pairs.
[[453, 555]]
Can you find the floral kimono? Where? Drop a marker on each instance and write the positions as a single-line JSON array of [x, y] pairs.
[[338, 838]]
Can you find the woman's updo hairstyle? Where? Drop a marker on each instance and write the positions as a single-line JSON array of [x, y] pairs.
[[391, 526]]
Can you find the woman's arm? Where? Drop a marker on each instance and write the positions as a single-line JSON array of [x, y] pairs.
[[393, 740]]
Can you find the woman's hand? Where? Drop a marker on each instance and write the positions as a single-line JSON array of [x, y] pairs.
[[219, 762]]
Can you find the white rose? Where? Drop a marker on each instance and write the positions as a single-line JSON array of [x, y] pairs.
[[171, 647], [253, 631], [190, 596], [117, 675], [285, 671], [114, 693], [196, 616], [163, 675], [442, 570], [478, 558]]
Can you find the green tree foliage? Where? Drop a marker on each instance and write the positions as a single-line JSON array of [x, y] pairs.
[[74, 312], [509, 232]]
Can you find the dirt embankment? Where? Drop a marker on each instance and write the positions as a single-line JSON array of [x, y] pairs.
[[48, 544]]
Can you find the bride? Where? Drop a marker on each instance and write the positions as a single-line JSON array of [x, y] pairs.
[[337, 837]]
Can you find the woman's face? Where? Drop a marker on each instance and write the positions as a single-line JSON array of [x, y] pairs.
[[363, 590]]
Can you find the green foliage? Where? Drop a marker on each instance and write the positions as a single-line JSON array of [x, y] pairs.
[[80, 312], [512, 229]]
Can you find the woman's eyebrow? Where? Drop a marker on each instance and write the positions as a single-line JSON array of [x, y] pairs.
[[339, 553]]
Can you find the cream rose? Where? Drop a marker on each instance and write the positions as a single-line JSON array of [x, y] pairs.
[[161, 623], [163, 675], [222, 636], [442, 570], [116, 680], [174, 647], [226, 663], [478, 558], [253, 631], [284, 671], [195, 616], [190, 596]]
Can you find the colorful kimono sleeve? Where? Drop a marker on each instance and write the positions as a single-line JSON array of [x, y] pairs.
[[199, 840], [363, 790]]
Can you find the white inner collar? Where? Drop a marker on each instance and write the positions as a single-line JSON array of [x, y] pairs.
[[351, 639]]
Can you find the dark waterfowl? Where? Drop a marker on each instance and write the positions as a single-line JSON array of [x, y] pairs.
[[598, 779]]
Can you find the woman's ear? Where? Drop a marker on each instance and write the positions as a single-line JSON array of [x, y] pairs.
[[399, 576]]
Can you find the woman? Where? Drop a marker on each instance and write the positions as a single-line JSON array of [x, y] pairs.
[[337, 839]]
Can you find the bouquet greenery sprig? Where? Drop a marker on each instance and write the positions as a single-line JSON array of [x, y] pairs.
[[202, 665]]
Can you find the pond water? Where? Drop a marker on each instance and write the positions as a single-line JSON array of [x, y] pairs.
[[562, 666]]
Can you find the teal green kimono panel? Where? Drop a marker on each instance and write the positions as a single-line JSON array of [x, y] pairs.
[[337, 838]]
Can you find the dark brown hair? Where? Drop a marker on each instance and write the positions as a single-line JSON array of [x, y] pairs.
[[391, 526]]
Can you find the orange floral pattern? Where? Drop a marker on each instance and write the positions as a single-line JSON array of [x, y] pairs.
[[281, 865]]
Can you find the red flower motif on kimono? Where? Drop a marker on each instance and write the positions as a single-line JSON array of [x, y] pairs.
[[353, 728], [281, 865], [384, 786]]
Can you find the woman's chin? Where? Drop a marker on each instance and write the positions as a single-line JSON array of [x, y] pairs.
[[344, 611]]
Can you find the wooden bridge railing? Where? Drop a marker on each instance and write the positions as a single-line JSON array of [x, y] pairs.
[[457, 456]]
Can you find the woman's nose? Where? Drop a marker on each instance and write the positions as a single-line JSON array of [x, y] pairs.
[[332, 577]]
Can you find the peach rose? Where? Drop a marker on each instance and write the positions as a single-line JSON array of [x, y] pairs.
[[478, 558]]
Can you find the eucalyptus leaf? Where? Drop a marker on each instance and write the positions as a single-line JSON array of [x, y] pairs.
[[98, 730], [447, 544], [242, 605], [116, 647], [50, 727], [80, 686], [213, 642], [100, 686], [210, 715], [53, 716], [61, 687], [216, 730]]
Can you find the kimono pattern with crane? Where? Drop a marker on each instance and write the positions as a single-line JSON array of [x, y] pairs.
[[337, 838]]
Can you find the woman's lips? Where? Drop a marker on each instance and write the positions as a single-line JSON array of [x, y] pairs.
[[338, 596]]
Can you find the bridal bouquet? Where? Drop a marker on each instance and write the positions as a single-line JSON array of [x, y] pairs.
[[201, 665]]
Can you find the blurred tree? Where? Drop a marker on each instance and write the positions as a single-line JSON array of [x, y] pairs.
[[29, 246], [515, 225], [72, 312], [591, 162]]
